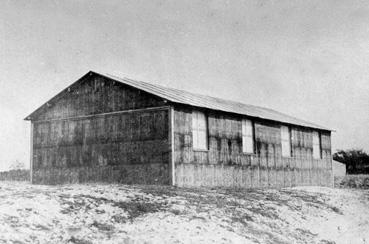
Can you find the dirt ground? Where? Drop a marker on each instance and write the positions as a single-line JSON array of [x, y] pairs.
[[102, 213]]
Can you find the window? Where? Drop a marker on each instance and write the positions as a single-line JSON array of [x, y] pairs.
[[316, 145], [247, 136], [199, 131], [286, 141]]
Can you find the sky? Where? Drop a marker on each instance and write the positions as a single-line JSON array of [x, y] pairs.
[[309, 59]]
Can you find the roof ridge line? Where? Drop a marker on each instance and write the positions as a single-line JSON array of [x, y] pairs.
[[212, 97], [194, 93], [194, 99]]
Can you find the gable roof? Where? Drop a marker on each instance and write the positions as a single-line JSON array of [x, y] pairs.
[[203, 101]]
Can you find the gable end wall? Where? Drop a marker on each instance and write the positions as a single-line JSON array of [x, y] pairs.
[[96, 94], [102, 131]]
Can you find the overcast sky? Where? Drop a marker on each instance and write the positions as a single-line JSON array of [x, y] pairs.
[[309, 59]]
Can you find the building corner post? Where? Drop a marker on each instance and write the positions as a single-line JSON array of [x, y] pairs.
[[331, 170], [331, 160], [31, 153], [172, 167]]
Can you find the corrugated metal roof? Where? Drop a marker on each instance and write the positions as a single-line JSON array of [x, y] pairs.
[[203, 101], [198, 100]]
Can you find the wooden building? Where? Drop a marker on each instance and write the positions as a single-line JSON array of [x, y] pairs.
[[338, 169], [108, 129]]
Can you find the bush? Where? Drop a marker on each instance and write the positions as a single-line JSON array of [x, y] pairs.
[[356, 160], [352, 181], [15, 175]]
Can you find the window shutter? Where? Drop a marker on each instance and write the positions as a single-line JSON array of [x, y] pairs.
[[286, 141], [199, 130], [316, 145], [247, 136]]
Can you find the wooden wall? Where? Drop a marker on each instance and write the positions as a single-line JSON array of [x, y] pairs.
[[102, 130], [94, 94], [225, 163], [79, 139], [134, 138]]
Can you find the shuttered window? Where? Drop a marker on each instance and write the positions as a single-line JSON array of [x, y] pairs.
[[247, 136], [199, 131], [316, 145], [286, 141]]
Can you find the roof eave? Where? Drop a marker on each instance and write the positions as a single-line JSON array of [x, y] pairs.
[[258, 117]]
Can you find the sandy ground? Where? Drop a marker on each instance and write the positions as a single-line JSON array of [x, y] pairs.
[[101, 213]]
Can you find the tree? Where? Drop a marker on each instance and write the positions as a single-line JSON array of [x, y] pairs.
[[356, 160], [17, 165]]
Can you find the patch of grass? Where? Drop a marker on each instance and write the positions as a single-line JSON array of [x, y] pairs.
[[16, 242], [242, 206], [42, 227], [352, 181], [316, 200], [232, 201], [137, 208], [243, 219], [198, 217], [305, 232], [78, 241], [326, 242], [337, 210], [266, 236], [73, 229], [169, 191], [13, 221], [103, 227], [119, 219], [175, 211], [265, 212]]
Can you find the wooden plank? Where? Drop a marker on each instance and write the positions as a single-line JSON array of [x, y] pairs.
[[31, 151], [172, 168], [104, 114]]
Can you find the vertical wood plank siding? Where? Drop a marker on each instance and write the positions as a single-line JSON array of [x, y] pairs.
[[103, 130], [31, 152], [80, 138], [96, 95], [224, 164], [116, 140]]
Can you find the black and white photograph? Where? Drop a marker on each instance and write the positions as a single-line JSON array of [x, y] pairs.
[[201, 121]]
